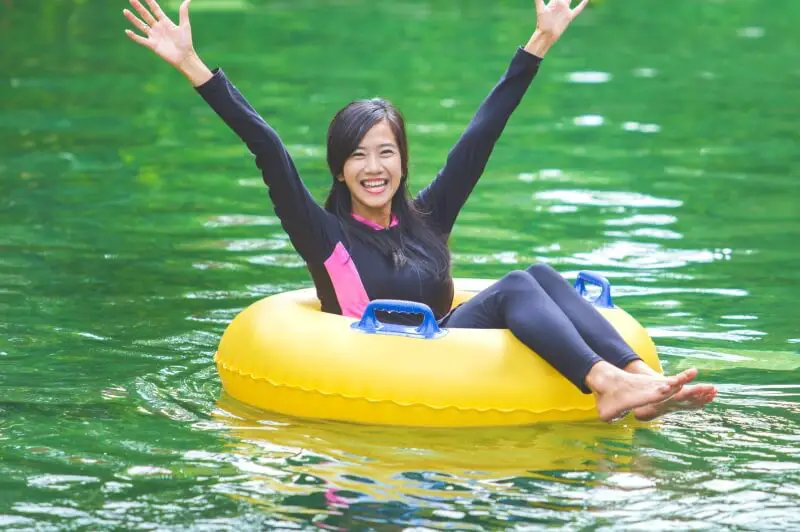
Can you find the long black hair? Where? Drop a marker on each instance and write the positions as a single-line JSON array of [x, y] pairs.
[[417, 242]]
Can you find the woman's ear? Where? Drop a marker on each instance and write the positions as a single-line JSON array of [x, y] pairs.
[[340, 178]]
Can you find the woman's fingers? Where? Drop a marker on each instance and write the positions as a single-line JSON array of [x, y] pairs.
[[141, 26], [138, 39], [579, 8], [156, 9], [539, 6], [144, 13], [184, 14]]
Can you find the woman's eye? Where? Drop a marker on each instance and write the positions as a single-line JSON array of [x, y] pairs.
[[357, 155], [387, 153]]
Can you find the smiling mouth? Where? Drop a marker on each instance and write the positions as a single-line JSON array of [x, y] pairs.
[[375, 186]]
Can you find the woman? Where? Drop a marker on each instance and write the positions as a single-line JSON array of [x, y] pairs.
[[373, 241]]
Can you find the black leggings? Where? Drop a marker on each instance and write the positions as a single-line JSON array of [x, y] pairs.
[[546, 313]]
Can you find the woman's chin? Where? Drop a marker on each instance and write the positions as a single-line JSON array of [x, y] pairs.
[[376, 203]]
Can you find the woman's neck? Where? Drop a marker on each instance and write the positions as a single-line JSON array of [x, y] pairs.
[[381, 216]]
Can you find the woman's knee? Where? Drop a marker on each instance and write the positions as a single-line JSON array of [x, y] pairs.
[[544, 271], [519, 281]]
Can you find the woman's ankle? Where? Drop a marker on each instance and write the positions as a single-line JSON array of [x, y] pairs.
[[640, 368], [600, 376]]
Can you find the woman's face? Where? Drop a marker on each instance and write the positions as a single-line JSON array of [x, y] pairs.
[[373, 171]]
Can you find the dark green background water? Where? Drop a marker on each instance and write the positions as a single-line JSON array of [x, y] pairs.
[[658, 145]]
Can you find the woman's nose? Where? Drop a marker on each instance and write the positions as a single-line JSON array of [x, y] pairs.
[[373, 164]]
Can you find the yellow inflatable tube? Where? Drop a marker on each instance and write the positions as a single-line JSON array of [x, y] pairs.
[[284, 355]]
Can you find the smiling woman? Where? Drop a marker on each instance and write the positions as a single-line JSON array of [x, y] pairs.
[[372, 241]]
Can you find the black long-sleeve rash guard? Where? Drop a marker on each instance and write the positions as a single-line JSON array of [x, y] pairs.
[[348, 277]]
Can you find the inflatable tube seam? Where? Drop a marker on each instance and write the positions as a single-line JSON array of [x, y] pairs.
[[222, 365]]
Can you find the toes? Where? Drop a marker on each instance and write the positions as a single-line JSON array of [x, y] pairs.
[[665, 392], [687, 376], [671, 386], [681, 379]]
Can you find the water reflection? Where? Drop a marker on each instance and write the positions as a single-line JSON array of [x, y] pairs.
[[640, 255], [588, 120], [642, 128], [598, 198], [344, 455], [589, 77]]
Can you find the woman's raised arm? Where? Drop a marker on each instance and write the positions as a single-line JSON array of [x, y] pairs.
[[301, 216], [448, 192]]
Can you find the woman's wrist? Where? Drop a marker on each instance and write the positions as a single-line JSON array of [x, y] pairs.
[[195, 70], [539, 43]]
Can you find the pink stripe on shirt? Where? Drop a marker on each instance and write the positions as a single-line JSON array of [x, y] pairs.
[[346, 282]]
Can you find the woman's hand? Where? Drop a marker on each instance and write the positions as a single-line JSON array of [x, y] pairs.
[[171, 42], [551, 21]]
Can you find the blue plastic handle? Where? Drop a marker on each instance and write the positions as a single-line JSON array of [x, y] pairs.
[[369, 323], [604, 299]]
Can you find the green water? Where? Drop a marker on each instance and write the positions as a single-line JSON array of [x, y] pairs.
[[658, 145]]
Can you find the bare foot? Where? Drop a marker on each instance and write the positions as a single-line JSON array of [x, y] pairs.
[[690, 398], [618, 392]]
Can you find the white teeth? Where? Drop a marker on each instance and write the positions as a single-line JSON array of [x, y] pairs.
[[374, 183]]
